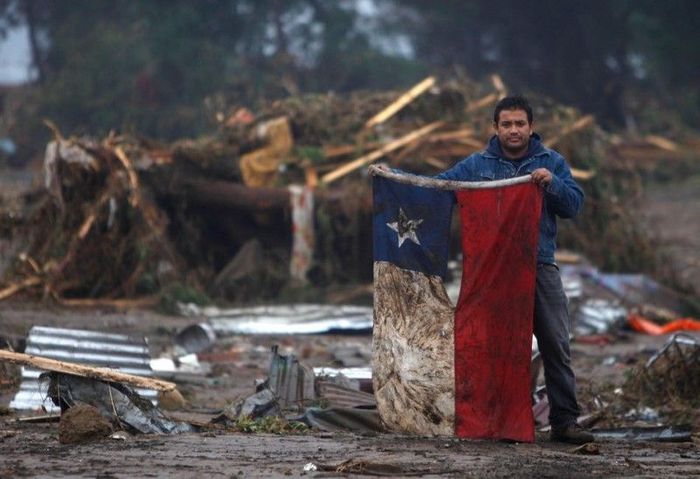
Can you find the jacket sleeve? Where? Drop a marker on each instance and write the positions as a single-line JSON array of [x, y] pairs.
[[563, 195]]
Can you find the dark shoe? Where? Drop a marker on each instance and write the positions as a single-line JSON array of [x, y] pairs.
[[573, 434]]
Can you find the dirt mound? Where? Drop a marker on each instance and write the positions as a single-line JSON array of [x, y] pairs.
[[82, 423]]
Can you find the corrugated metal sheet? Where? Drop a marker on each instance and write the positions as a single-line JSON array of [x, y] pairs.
[[289, 319], [128, 354], [352, 373], [341, 396], [291, 381], [363, 375]]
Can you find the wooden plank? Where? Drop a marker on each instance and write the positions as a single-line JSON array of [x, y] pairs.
[[579, 124], [333, 151], [582, 174], [478, 104], [124, 303], [464, 133], [401, 102], [375, 155], [498, 84], [662, 143], [104, 374], [131, 173], [311, 176], [454, 150], [567, 257], [434, 162]]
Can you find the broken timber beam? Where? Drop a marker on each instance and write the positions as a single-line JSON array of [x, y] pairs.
[[375, 155], [401, 102], [104, 374], [579, 124]]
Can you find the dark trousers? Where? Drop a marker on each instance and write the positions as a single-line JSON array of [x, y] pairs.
[[552, 326]]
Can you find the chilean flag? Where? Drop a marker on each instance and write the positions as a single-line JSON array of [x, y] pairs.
[[464, 370]]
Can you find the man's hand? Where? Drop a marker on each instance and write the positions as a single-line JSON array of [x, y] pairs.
[[541, 176], [381, 166]]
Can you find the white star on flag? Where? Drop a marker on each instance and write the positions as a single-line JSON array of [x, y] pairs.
[[406, 228]]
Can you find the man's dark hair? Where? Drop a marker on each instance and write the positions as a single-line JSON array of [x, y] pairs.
[[515, 102]]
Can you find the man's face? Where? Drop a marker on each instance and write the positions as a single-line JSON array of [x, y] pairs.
[[513, 131]]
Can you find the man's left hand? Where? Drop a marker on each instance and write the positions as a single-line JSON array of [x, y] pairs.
[[541, 176]]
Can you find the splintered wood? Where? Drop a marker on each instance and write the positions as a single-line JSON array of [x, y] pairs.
[[413, 352]]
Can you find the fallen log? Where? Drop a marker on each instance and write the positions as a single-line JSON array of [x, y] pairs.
[[227, 194], [104, 374]]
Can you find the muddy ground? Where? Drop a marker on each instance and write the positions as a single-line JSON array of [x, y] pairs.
[[33, 450]]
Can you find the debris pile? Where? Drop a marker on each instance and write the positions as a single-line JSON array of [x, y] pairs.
[[277, 200], [671, 377], [293, 392]]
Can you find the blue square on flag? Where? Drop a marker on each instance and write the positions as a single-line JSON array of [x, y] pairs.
[[412, 226]]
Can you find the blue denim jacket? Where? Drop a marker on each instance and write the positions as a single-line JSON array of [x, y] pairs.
[[562, 197]]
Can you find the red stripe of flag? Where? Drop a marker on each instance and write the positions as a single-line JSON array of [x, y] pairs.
[[493, 319]]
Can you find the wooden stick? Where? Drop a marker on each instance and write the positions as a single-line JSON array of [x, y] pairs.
[[311, 176], [662, 143], [332, 151], [452, 135], [14, 288], [402, 101], [406, 152], [104, 374], [133, 177], [579, 124], [375, 155], [582, 174], [478, 104], [440, 165], [116, 303], [81, 234], [498, 84]]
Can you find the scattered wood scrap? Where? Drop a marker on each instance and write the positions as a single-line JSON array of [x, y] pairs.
[[104, 374]]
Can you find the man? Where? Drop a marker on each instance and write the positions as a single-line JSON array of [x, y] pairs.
[[515, 150]]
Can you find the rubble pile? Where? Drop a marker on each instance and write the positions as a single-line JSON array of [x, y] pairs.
[[671, 377], [127, 220]]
